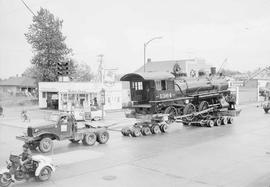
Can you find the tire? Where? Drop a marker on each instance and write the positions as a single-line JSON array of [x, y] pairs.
[[189, 109], [5, 179], [266, 110], [45, 174], [125, 131], [230, 120], [46, 145], [218, 122], [74, 141], [146, 131], [19, 175], [103, 137], [155, 129], [135, 132], [210, 123], [89, 139], [224, 121], [164, 128], [203, 106]]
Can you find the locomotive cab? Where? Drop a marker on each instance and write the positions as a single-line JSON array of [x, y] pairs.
[[149, 86]]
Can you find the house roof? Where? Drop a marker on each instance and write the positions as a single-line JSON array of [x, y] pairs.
[[141, 76], [165, 66], [19, 81]]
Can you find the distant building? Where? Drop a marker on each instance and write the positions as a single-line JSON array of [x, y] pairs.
[[189, 66], [18, 86], [77, 95]]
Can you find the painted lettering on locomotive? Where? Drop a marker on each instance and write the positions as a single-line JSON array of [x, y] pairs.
[[176, 94]]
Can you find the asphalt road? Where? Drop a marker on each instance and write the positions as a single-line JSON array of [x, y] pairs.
[[232, 155]]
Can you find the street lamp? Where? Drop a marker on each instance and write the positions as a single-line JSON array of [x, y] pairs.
[[144, 49]]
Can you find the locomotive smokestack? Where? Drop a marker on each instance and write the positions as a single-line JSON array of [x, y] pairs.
[[213, 70]]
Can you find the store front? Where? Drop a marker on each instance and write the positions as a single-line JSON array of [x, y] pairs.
[[70, 96]]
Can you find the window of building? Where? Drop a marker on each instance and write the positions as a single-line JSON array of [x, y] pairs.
[[44, 95]]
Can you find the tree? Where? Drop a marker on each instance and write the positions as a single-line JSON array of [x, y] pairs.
[[83, 73], [49, 46]]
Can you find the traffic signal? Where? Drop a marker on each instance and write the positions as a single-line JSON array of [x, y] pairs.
[[59, 69], [65, 68]]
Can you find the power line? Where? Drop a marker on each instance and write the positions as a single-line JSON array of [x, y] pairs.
[[28, 8]]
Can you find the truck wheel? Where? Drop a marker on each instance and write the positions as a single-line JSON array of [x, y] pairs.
[[136, 132], [230, 120], [155, 129], [45, 174], [266, 110], [224, 121], [45, 145], [146, 131], [89, 139], [103, 137], [210, 123], [164, 128], [74, 141], [218, 122]]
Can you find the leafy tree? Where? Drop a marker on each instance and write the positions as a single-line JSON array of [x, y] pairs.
[[49, 46], [83, 73]]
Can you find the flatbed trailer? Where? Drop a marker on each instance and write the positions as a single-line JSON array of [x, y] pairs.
[[159, 123]]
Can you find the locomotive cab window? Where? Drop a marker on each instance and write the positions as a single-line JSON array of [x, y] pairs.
[[137, 85], [161, 85]]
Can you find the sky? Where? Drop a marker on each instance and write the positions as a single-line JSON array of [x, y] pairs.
[[238, 30]]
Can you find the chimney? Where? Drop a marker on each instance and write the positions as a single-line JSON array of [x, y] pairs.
[[213, 70]]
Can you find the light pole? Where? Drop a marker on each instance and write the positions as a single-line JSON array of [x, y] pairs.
[[144, 49]]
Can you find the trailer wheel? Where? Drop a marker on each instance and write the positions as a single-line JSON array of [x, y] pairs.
[[266, 110], [189, 109], [210, 123], [164, 128], [103, 137], [224, 121], [125, 131], [135, 132], [45, 145], [146, 131], [155, 129], [218, 122], [89, 139], [230, 120], [203, 106]]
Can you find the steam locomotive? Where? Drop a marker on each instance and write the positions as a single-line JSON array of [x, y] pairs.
[[176, 94]]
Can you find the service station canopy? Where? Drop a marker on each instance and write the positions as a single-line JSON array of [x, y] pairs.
[[142, 76]]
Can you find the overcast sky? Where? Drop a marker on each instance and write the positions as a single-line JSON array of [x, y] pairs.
[[211, 29]]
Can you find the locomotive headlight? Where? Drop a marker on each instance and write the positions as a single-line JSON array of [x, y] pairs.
[[36, 130], [186, 101]]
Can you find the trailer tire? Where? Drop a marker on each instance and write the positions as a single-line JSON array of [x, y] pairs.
[[89, 139], [164, 127], [210, 123], [103, 137], [218, 122], [135, 132], [266, 110], [74, 141], [230, 120], [224, 121], [146, 131], [45, 145], [155, 129], [125, 131]]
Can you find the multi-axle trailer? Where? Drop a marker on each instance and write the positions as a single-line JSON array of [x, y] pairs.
[[159, 123]]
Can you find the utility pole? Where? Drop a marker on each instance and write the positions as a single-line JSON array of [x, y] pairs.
[[102, 92]]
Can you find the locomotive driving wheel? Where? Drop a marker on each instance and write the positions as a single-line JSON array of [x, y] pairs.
[[203, 106], [172, 111], [189, 109]]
